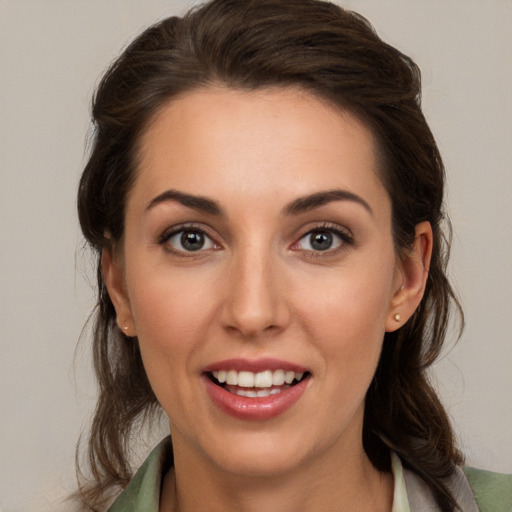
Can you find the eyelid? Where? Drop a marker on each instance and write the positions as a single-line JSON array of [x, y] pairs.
[[345, 234], [187, 226]]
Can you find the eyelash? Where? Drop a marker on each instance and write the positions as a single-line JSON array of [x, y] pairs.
[[176, 230], [346, 240], [345, 236]]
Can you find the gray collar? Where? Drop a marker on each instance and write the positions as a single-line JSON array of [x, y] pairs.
[[422, 500]]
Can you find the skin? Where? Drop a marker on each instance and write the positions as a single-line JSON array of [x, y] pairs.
[[259, 289]]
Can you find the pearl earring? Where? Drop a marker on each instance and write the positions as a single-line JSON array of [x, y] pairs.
[[397, 317]]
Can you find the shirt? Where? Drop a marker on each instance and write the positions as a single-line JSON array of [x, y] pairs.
[[493, 491]]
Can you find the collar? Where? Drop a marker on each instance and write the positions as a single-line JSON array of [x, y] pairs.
[[400, 497], [411, 494]]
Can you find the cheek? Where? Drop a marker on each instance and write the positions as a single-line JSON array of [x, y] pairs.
[[352, 301], [168, 306], [171, 316], [346, 314], [347, 324], [167, 329]]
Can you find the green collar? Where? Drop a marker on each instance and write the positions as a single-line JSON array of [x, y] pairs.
[[493, 491], [143, 492]]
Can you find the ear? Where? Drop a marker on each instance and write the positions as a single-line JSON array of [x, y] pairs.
[[411, 278], [114, 280]]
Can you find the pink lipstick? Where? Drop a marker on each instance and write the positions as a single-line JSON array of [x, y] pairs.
[[255, 390]]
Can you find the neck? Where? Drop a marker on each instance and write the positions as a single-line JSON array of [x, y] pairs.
[[326, 485]]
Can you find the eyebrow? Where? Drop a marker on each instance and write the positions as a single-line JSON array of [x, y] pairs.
[[200, 203], [296, 207], [318, 199]]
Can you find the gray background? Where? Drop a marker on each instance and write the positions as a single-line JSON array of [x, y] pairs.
[[51, 55]]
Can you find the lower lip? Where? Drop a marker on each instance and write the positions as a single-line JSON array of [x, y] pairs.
[[254, 409]]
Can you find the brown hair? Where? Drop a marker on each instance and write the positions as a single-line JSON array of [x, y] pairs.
[[335, 54]]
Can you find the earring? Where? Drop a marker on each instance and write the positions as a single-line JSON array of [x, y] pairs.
[[397, 317], [123, 328]]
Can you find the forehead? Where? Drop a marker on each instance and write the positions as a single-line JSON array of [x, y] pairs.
[[279, 141]]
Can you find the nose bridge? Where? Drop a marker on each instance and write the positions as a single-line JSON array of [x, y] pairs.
[[256, 300]]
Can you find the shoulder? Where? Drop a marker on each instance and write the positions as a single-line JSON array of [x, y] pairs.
[[143, 492], [493, 491], [475, 490]]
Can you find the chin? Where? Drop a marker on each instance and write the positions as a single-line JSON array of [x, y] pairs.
[[260, 456], [261, 466]]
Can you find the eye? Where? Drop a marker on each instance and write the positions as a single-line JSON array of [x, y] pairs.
[[189, 240], [323, 239]]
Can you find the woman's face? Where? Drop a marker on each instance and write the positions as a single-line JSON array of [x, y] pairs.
[[258, 248]]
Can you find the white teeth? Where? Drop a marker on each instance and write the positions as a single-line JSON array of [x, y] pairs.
[[265, 379], [232, 378], [246, 392], [288, 377], [278, 378], [261, 393], [246, 379]]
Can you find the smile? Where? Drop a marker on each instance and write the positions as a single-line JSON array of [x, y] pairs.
[[255, 395], [256, 385], [265, 379]]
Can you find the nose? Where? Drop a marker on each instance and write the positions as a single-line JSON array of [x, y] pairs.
[[256, 302]]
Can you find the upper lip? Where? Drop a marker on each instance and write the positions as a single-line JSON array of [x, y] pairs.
[[254, 365]]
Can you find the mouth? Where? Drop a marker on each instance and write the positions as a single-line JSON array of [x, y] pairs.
[[257, 384], [255, 390]]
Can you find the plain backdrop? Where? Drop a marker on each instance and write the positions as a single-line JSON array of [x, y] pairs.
[[51, 55]]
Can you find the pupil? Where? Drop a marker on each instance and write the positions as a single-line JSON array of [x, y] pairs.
[[321, 241], [192, 240]]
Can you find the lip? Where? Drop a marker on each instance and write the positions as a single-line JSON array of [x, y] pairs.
[[258, 408], [255, 366]]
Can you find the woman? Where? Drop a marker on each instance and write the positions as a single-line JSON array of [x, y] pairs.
[[265, 199]]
